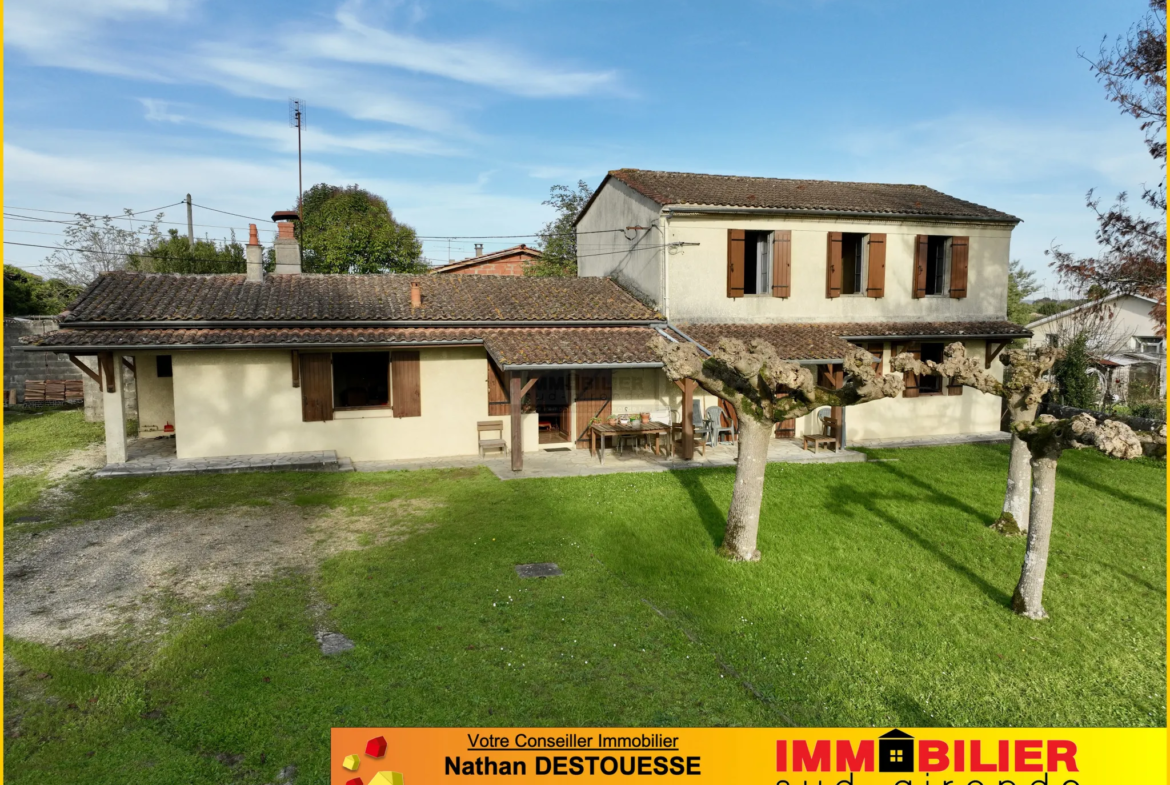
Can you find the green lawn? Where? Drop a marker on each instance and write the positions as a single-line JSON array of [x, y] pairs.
[[882, 599], [33, 439]]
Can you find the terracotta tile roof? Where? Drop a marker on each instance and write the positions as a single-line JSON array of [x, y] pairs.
[[510, 346], [146, 297], [792, 341], [681, 188], [528, 254], [982, 329]]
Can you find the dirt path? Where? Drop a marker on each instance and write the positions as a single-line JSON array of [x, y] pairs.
[[76, 581]]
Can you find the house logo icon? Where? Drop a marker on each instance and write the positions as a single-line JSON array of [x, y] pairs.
[[896, 752]]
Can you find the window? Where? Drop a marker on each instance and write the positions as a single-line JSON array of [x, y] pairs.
[[757, 263], [1053, 340], [854, 260], [162, 366], [938, 257], [361, 379], [931, 385]]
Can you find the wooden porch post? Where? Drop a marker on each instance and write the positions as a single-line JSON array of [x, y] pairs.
[[514, 396], [688, 419]]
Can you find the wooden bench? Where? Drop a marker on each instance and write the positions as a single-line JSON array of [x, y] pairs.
[[827, 436], [491, 444]]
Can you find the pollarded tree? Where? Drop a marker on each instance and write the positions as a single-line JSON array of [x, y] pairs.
[[764, 390], [1023, 387]]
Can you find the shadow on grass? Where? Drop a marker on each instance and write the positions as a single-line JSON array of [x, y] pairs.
[[845, 498], [711, 515], [1082, 478], [951, 501]]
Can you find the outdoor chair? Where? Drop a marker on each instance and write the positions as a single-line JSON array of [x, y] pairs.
[[827, 436], [491, 444], [665, 417], [700, 430], [715, 426]]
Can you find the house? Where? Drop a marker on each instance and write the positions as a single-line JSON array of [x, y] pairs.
[[1123, 336], [807, 264], [510, 261]]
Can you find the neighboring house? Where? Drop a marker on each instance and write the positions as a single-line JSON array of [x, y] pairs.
[[1122, 336], [510, 261], [810, 265]]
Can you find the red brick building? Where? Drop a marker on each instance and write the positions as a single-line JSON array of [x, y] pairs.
[[510, 261]]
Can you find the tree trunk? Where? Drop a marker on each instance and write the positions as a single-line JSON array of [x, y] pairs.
[[1029, 594], [743, 517], [1016, 500]]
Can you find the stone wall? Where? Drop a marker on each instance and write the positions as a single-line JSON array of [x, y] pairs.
[[20, 366]]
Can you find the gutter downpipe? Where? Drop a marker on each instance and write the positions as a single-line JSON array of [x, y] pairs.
[[664, 279]]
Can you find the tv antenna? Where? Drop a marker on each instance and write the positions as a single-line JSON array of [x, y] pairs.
[[296, 118]]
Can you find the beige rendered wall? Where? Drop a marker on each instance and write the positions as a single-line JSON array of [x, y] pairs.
[[697, 275], [156, 397], [1115, 326], [243, 403], [601, 251]]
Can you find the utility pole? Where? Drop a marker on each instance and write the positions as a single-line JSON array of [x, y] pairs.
[[190, 223], [296, 118]]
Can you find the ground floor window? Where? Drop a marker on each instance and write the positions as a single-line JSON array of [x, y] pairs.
[[361, 379], [931, 385]]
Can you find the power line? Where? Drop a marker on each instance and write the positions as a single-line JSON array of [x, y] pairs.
[[14, 217], [82, 212], [237, 215]]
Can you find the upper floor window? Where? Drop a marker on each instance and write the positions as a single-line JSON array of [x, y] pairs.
[[759, 262], [940, 266], [854, 256], [856, 264]]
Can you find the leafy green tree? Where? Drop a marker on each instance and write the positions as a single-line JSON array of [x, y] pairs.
[[350, 230], [1021, 285], [558, 238], [26, 294], [1078, 388], [174, 253]]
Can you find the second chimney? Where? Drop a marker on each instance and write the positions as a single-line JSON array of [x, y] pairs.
[[255, 256], [479, 249], [288, 250], [415, 294]]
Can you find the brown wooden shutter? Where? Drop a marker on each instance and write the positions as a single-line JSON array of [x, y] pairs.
[[875, 279], [497, 390], [736, 239], [833, 266], [781, 263], [959, 266], [909, 378], [316, 387], [920, 251], [877, 350], [406, 384], [954, 389], [786, 429], [594, 399]]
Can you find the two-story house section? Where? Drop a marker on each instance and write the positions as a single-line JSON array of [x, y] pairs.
[[806, 263]]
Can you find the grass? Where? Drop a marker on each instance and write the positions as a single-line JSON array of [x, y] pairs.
[[34, 438], [882, 599]]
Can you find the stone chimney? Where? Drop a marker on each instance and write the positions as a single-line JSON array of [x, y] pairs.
[[415, 294], [255, 256], [479, 249], [288, 250]]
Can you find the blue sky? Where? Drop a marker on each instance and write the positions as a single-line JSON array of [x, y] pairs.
[[463, 114]]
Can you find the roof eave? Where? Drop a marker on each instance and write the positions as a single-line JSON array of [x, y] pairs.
[[695, 209]]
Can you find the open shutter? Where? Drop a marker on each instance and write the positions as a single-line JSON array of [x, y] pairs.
[[954, 389], [316, 387], [497, 390], [833, 266], [594, 399], [875, 276], [959, 266], [909, 378], [920, 249], [781, 263], [877, 349], [406, 383], [735, 249]]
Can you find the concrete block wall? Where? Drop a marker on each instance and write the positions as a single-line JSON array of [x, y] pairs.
[[20, 366]]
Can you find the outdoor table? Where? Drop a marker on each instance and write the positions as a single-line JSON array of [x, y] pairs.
[[598, 431]]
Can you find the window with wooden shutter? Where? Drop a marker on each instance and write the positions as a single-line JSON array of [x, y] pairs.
[[909, 378], [781, 263], [877, 350], [875, 285], [735, 262], [497, 390], [833, 266], [316, 387], [959, 266], [406, 381], [921, 244], [954, 389]]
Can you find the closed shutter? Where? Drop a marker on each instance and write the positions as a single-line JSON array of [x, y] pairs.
[[786, 429], [959, 266], [497, 391], [877, 349], [833, 266], [875, 277], [781, 263], [406, 384], [594, 399], [735, 251], [316, 387], [909, 378], [921, 243]]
